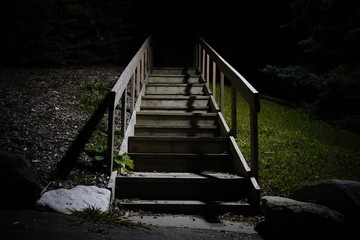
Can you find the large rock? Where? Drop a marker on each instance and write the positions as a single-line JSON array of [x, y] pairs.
[[290, 219], [78, 198], [19, 186], [340, 195]]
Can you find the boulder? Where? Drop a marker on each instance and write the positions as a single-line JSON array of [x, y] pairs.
[[20, 188], [78, 198], [340, 195], [290, 219]]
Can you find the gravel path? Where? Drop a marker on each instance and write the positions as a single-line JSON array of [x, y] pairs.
[[42, 111]]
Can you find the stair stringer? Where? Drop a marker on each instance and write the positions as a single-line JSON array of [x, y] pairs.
[[240, 165]]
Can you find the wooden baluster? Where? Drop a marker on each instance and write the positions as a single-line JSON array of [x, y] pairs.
[[132, 94], [214, 79], [111, 130], [141, 72], [199, 58], [145, 63], [222, 110], [123, 112], [207, 69], [138, 82], [233, 110], [203, 64], [254, 143]]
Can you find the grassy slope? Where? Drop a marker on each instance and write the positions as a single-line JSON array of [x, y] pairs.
[[294, 149]]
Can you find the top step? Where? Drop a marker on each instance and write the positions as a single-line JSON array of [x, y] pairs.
[[174, 70]]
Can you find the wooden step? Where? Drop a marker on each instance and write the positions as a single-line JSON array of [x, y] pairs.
[[187, 206], [173, 119], [181, 186], [175, 109], [198, 145], [174, 89], [179, 101], [181, 162], [168, 78], [174, 70], [176, 130]]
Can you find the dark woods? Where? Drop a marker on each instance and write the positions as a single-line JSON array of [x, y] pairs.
[[304, 51], [57, 33], [323, 74]]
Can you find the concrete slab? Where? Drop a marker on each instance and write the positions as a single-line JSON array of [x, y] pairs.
[[194, 222]]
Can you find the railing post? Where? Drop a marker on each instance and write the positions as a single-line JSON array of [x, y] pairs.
[[233, 110], [199, 57], [208, 69], [141, 71], [222, 100], [214, 79], [203, 64], [254, 143], [138, 84], [123, 112], [111, 127], [145, 62], [132, 93]]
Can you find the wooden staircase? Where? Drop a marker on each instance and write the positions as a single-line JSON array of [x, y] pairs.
[[186, 157], [183, 160]]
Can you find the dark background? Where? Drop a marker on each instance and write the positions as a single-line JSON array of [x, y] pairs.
[[303, 51]]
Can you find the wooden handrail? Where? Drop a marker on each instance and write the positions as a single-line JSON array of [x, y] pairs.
[[136, 72], [204, 56]]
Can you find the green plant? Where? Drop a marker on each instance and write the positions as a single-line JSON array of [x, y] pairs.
[[98, 153], [123, 162]]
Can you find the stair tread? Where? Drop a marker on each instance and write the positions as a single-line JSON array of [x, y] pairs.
[[160, 138], [175, 84], [181, 175], [188, 206], [183, 155], [189, 114], [168, 126], [175, 107], [173, 75], [175, 97], [181, 202]]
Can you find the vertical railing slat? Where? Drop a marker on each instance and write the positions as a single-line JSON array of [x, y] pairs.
[[233, 111], [208, 69], [254, 141], [222, 93], [138, 81], [123, 112], [199, 57], [111, 133], [132, 94], [145, 62], [203, 63], [214, 79]]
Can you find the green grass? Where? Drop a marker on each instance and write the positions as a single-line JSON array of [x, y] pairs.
[[294, 149], [95, 215]]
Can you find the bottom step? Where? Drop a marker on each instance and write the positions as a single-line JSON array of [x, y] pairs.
[[182, 186], [187, 207]]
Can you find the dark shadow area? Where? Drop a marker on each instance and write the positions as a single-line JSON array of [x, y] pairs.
[[69, 160]]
